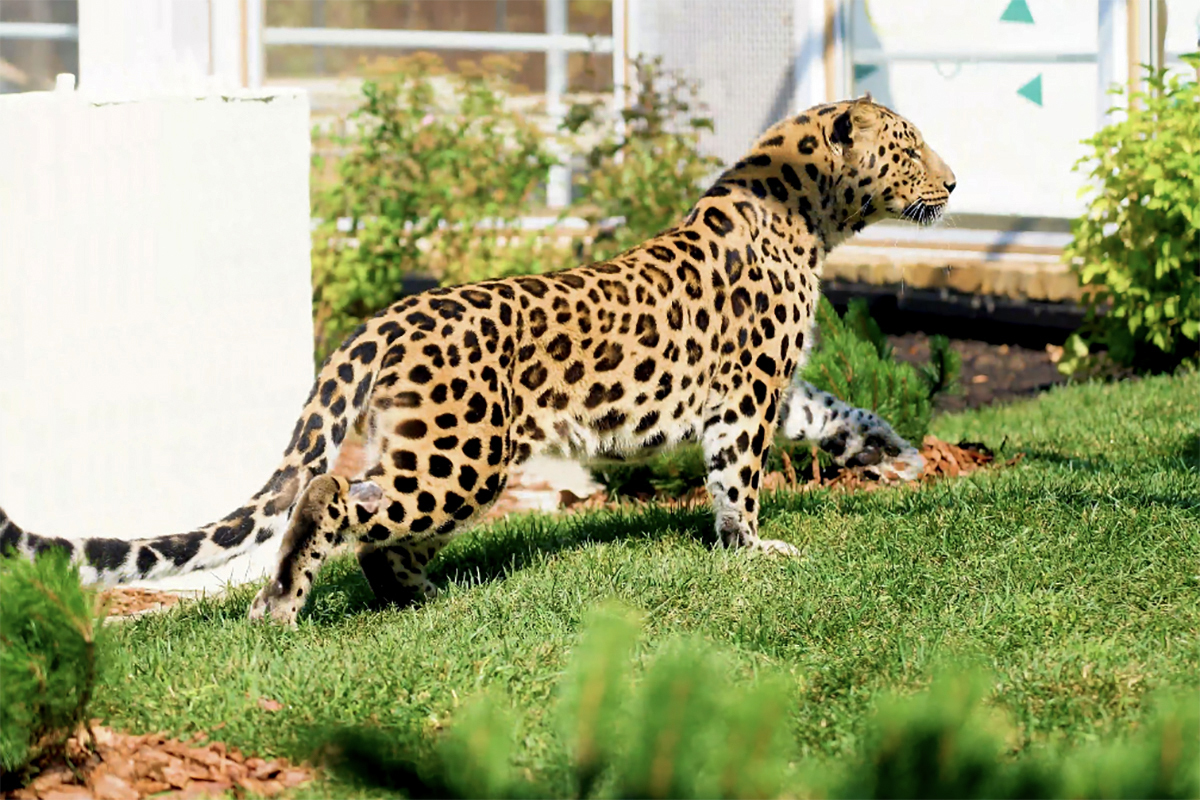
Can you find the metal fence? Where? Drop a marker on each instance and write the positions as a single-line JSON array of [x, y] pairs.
[[554, 44], [755, 60]]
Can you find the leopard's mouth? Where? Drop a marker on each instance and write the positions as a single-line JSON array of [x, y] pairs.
[[924, 212]]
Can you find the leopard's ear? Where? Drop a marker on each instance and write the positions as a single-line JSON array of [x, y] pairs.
[[864, 113]]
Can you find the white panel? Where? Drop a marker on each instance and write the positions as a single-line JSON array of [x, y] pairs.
[[808, 38], [1183, 33], [190, 34], [155, 318], [1067, 25], [128, 48], [1011, 155], [226, 22]]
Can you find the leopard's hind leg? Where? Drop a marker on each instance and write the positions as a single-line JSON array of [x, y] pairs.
[[396, 573], [324, 513], [409, 504]]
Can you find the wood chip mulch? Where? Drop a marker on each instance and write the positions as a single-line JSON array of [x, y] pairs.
[[942, 460], [125, 601], [125, 767]]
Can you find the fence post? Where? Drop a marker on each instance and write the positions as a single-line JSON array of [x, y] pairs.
[[1111, 61], [620, 23], [558, 189], [808, 47]]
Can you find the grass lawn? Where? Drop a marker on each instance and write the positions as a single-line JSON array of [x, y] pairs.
[[1074, 578]]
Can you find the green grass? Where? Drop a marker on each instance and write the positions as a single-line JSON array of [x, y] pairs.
[[1072, 578]]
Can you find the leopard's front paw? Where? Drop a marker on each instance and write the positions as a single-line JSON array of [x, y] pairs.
[[775, 547], [270, 605]]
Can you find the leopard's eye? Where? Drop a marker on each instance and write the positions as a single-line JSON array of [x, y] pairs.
[[912, 153]]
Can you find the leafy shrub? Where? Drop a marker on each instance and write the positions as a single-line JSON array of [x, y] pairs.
[[685, 728], [433, 171], [1136, 251], [647, 171], [49, 629]]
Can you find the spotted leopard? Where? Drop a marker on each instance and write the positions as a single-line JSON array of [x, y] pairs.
[[695, 335]]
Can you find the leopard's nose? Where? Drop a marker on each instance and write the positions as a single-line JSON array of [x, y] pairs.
[[950, 185]]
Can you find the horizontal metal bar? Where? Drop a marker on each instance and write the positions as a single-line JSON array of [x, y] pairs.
[[438, 40], [874, 56], [532, 223], [39, 30]]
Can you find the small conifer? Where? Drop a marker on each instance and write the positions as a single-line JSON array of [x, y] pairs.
[[48, 652]]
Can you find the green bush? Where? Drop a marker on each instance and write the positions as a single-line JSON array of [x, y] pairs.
[[49, 629], [650, 170], [433, 169], [690, 727], [1136, 251]]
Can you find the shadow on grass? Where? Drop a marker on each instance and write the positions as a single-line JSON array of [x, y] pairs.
[[496, 551], [499, 550]]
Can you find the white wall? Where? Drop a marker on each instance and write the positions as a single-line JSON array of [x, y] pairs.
[[155, 323]]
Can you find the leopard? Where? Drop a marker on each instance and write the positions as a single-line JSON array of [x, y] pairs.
[[697, 335]]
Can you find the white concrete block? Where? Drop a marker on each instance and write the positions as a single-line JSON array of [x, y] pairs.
[[155, 317]]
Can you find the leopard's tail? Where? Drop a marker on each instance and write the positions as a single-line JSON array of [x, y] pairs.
[[339, 395]]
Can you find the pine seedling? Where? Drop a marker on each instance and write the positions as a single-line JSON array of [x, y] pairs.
[[670, 732], [751, 749], [594, 692], [482, 738], [49, 631], [850, 367], [942, 372]]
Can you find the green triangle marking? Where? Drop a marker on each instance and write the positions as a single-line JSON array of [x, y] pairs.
[[1032, 91], [863, 70], [1017, 11]]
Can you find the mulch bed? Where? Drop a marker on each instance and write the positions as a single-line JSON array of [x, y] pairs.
[[124, 602], [107, 765]]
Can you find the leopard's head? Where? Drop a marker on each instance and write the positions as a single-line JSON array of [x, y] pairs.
[[842, 166], [896, 170]]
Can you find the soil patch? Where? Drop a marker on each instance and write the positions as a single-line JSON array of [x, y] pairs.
[[119, 766], [991, 373]]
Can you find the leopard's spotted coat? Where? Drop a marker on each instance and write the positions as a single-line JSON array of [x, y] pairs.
[[695, 334]]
